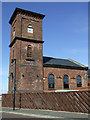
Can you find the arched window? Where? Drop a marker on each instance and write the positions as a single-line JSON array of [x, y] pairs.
[[66, 81], [29, 51], [30, 29], [79, 84], [51, 81]]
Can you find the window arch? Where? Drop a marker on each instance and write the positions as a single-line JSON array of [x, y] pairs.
[[66, 81], [79, 83], [29, 29], [29, 51], [51, 81]]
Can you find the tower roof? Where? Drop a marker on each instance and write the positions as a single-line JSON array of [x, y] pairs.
[[25, 12]]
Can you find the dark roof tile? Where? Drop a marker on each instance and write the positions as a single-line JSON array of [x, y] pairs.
[[60, 62]]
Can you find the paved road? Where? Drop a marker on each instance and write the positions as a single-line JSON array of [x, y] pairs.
[[10, 116], [43, 114]]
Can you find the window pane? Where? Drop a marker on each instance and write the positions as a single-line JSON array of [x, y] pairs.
[[79, 84], [66, 81], [14, 33], [51, 81], [51, 85], [29, 51]]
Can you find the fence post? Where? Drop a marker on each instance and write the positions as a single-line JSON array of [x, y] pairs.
[[20, 101]]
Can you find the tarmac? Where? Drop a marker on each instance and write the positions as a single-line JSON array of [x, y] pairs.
[[48, 114]]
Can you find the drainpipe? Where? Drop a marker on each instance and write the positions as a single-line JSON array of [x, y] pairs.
[[14, 88]]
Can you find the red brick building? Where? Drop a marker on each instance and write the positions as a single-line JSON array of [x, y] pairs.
[[29, 70]]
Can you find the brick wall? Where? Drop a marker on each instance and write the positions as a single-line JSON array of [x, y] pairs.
[[21, 23], [61, 72], [29, 73], [66, 101]]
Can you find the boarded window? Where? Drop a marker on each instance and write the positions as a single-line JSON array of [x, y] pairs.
[[29, 29]]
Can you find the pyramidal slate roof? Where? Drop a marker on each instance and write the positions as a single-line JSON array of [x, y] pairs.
[[61, 63]]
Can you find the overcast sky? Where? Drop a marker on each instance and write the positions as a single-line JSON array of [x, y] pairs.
[[65, 32]]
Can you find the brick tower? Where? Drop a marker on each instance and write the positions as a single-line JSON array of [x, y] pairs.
[[26, 51]]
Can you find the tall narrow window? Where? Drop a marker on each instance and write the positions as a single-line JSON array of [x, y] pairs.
[[51, 81], [79, 84], [29, 51], [13, 52], [30, 29], [14, 31], [66, 81], [11, 77]]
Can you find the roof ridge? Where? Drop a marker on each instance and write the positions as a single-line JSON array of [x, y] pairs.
[[56, 58], [69, 59], [76, 62]]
